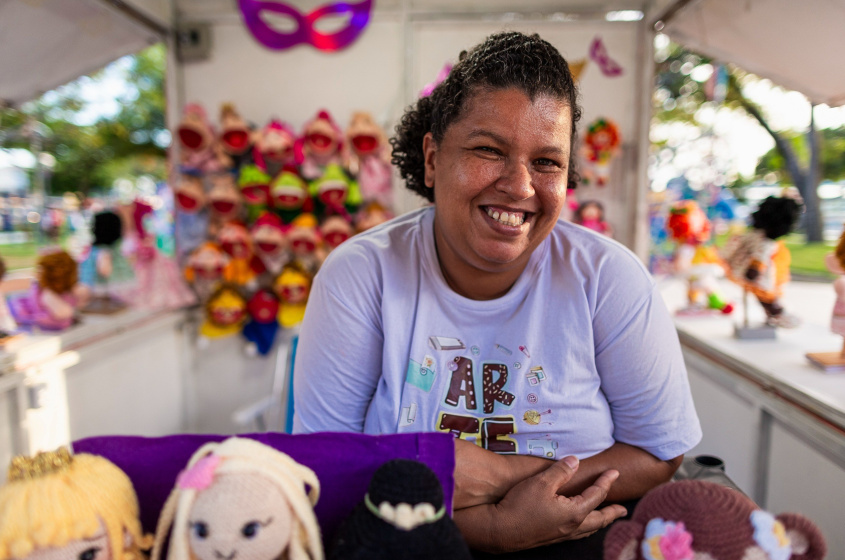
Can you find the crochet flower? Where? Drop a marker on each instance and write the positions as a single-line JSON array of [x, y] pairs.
[[666, 540], [770, 535]]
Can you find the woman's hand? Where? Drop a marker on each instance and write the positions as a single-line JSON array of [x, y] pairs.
[[533, 514]]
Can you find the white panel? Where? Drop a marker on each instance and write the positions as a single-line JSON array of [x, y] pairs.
[[158, 10], [802, 480], [731, 426]]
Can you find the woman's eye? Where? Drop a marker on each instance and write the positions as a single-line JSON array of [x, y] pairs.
[[487, 150], [89, 554], [250, 529], [543, 162], [200, 530]]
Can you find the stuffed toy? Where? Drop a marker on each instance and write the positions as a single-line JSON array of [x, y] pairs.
[[255, 188], [590, 214], [225, 312], [293, 287], [601, 145], [236, 242], [245, 499], [835, 263], [306, 243], [759, 262], [8, 326], [274, 147], [189, 192], [402, 517], [196, 139], [263, 324], [104, 264], [371, 215], [191, 215], [58, 505], [368, 159], [695, 259], [270, 245], [335, 228], [289, 195], [159, 283], [235, 140], [321, 144], [692, 519], [225, 202], [334, 188], [204, 269], [52, 300]]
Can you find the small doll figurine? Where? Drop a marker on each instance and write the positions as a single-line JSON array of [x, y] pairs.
[[601, 145], [104, 264], [8, 326], [224, 198], [189, 192], [270, 245], [191, 216], [241, 499], [835, 263], [52, 300], [695, 260], [58, 505], [225, 312], [293, 287], [289, 194], [204, 269], [235, 138], [255, 186], [236, 242], [692, 519], [369, 158], [335, 188], [402, 517], [320, 145], [274, 147], [759, 262], [306, 243], [371, 215], [196, 140], [590, 214], [336, 228], [263, 325]]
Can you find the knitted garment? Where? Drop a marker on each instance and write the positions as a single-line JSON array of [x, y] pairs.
[[366, 536]]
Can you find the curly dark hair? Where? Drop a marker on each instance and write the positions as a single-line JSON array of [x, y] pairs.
[[504, 60]]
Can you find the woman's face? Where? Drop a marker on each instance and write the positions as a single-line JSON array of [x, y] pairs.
[[499, 177]]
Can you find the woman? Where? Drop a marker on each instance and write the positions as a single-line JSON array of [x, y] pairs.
[[486, 317]]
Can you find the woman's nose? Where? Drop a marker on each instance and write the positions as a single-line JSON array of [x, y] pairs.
[[516, 181]]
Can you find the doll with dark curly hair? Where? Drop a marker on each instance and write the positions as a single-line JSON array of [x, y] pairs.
[[543, 348]]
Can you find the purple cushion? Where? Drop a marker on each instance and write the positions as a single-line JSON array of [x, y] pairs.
[[344, 464]]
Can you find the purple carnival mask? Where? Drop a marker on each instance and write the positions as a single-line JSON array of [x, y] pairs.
[[305, 31]]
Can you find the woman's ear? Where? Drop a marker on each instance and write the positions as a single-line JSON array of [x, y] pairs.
[[429, 152], [805, 537]]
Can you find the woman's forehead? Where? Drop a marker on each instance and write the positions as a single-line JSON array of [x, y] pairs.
[[501, 110]]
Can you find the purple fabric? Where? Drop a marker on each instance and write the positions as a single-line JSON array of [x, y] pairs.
[[343, 462]]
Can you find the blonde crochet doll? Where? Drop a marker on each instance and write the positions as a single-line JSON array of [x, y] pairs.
[[59, 506], [241, 499]]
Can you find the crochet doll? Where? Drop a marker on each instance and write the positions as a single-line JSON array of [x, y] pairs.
[[692, 519], [255, 187], [204, 269], [241, 499], [159, 285], [263, 324], [306, 243], [335, 188], [236, 242], [293, 287], [759, 262], [289, 195], [590, 214], [191, 216], [270, 245], [335, 228], [58, 505], [224, 199], [196, 141], [368, 159], [402, 517], [601, 144], [835, 262], [53, 298], [225, 312], [104, 264], [321, 144], [189, 192], [371, 215], [695, 259], [274, 147], [235, 139]]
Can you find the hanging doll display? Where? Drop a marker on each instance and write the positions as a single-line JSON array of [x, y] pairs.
[[320, 145], [601, 145], [196, 141], [368, 159], [692, 519], [158, 282], [104, 265], [590, 214], [402, 517], [293, 287], [260, 331], [244, 498], [270, 245], [274, 147], [58, 505], [204, 269], [695, 259], [835, 262], [225, 312], [235, 141], [53, 299], [759, 262]]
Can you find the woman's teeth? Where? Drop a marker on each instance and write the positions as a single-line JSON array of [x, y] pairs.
[[509, 219]]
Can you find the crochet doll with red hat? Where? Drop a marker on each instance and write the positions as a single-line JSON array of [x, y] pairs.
[[321, 144], [274, 147], [368, 158], [335, 227], [695, 519], [289, 194], [263, 324], [270, 245]]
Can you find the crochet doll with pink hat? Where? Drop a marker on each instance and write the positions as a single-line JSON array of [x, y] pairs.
[[274, 147], [321, 144], [270, 245]]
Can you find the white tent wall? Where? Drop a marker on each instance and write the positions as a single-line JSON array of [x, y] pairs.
[[402, 50]]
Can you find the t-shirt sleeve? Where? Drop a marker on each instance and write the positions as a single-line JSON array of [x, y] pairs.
[[339, 356], [639, 360]]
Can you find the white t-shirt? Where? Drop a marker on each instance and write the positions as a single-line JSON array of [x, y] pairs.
[[580, 353]]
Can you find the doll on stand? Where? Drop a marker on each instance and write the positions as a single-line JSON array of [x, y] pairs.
[[244, 498], [53, 299], [835, 262], [368, 159], [104, 265], [321, 144], [696, 260], [58, 505], [691, 519], [590, 214], [759, 262], [159, 284]]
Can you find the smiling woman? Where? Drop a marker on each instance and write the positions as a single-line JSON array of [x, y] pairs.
[[484, 316]]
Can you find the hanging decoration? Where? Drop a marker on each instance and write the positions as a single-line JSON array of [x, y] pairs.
[[601, 146], [598, 54], [305, 30]]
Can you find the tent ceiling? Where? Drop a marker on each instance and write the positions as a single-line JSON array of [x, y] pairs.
[[46, 43], [797, 45]]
